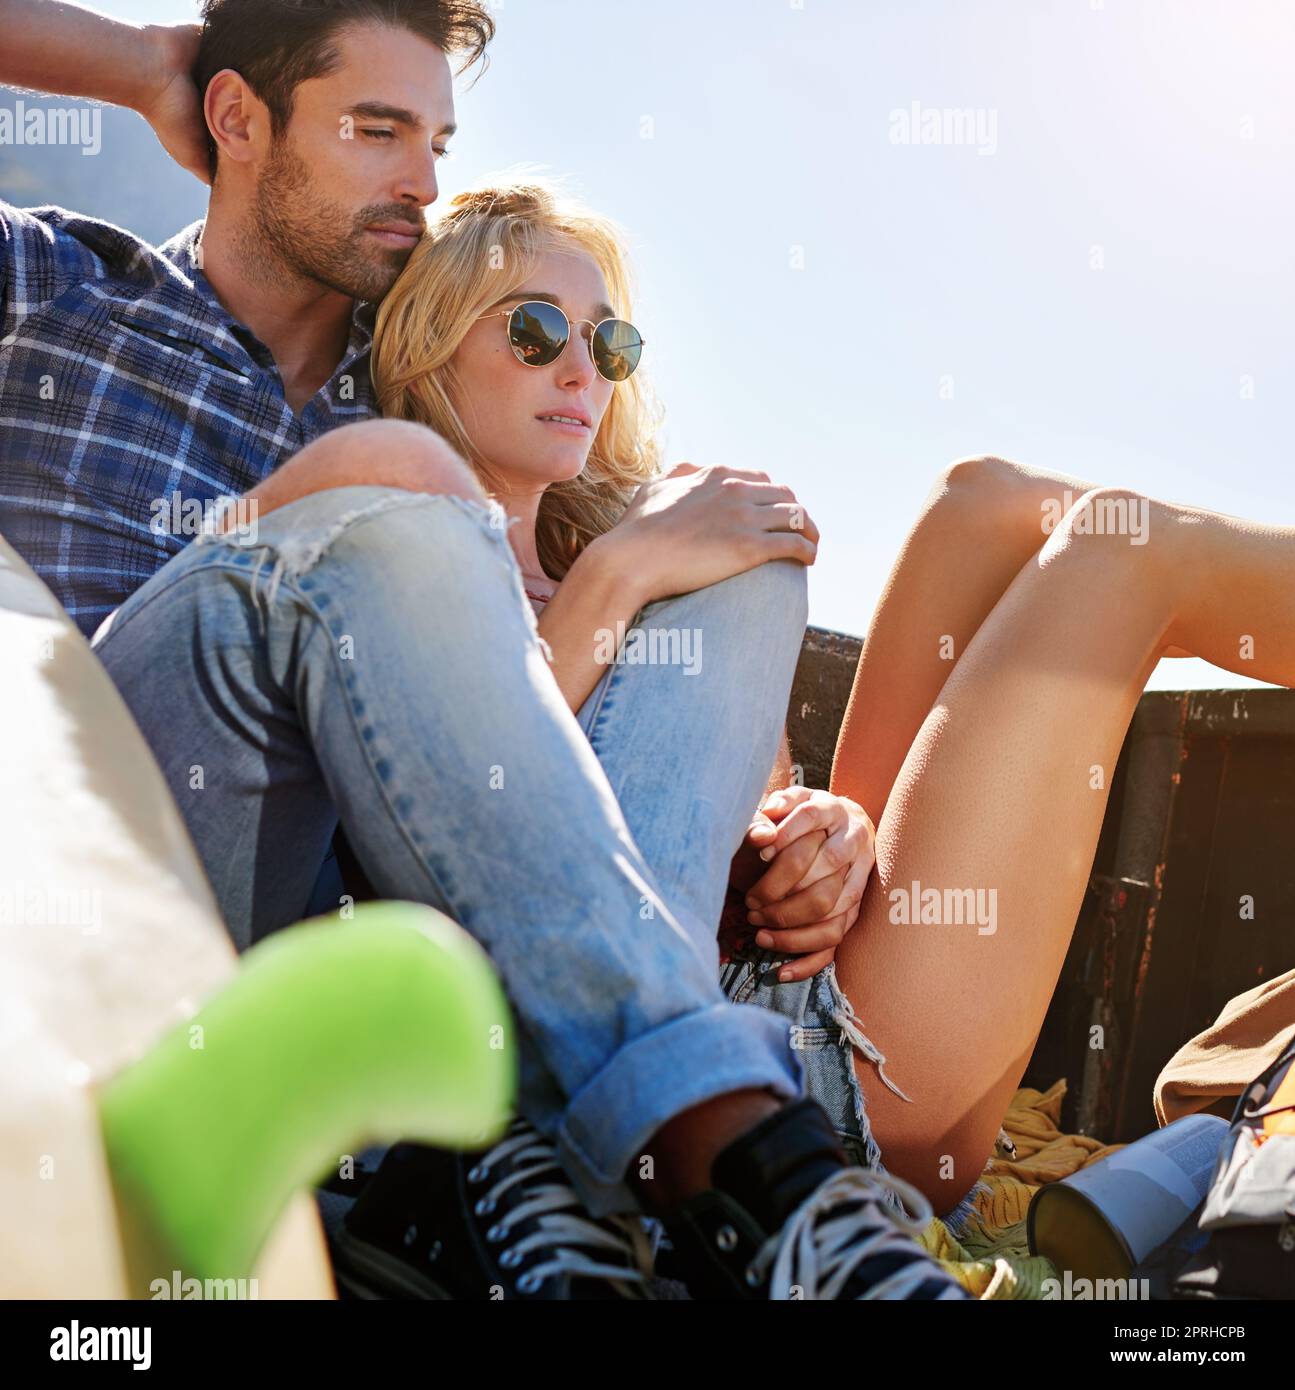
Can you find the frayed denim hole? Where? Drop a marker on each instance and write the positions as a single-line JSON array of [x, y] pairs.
[[872, 1150], [823, 1004], [853, 1034]]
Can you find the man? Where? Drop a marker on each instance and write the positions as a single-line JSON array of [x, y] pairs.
[[137, 380], [199, 370]]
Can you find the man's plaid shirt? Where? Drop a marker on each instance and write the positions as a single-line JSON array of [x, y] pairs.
[[124, 382]]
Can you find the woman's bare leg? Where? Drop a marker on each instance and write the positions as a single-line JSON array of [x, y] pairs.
[[998, 796], [980, 523]]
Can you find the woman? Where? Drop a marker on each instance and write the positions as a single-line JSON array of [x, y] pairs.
[[476, 341], [597, 531], [997, 681]]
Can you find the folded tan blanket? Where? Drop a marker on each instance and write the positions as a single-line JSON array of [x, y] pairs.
[[1247, 1037]]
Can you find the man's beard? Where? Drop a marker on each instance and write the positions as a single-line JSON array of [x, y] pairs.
[[298, 234]]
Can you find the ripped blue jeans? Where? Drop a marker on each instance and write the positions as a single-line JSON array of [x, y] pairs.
[[371, 657]]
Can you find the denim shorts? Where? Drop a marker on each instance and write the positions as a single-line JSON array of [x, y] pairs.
[[825, 1031]]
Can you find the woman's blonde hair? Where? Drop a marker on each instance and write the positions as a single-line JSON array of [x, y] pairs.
[[486, 243]]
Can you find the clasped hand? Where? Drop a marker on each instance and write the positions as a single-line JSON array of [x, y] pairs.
[[819, 850]]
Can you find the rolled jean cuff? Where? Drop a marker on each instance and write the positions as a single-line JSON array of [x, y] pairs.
[[649, 1081]]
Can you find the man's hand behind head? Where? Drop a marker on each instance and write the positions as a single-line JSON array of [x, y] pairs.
[[171, 104]]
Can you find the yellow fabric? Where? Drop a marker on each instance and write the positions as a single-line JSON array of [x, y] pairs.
[[991, 1257]]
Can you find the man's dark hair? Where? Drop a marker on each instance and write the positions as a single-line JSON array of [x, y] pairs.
[[275, 45]]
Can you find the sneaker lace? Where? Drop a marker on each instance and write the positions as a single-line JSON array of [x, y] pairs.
[[565, 1234], [818, 1256]]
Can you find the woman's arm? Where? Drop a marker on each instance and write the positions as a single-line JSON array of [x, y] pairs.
[[683, 531], [598, 594]]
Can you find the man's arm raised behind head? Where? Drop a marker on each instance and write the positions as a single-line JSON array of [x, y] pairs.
[[60, 48]]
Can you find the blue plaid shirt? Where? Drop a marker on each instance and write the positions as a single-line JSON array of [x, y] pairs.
[[123, 382]]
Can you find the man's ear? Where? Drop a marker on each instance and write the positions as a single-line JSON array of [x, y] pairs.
[[239, 121]]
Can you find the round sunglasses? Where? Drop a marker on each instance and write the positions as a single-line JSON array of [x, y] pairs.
[[539, 333]]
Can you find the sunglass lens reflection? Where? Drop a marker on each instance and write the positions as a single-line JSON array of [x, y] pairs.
[[617, 349], [538, 332]]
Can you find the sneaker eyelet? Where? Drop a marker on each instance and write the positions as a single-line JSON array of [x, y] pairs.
[[478, 1173], [752, 1277], [434, 1253], [726, 1238], [411, 1234], [497, 1232], [527, 1283], [510, 1259], [484, 1207]]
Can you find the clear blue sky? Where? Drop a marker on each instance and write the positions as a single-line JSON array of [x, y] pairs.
[[1160, 131]]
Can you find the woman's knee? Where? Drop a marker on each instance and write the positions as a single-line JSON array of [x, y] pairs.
[[985, 496], [978, 481], [977, 474], [979, 499]]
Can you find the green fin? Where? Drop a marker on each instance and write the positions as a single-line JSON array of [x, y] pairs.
[[332, 1037]]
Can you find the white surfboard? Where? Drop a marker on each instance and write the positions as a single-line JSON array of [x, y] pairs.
[[108, 936]]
